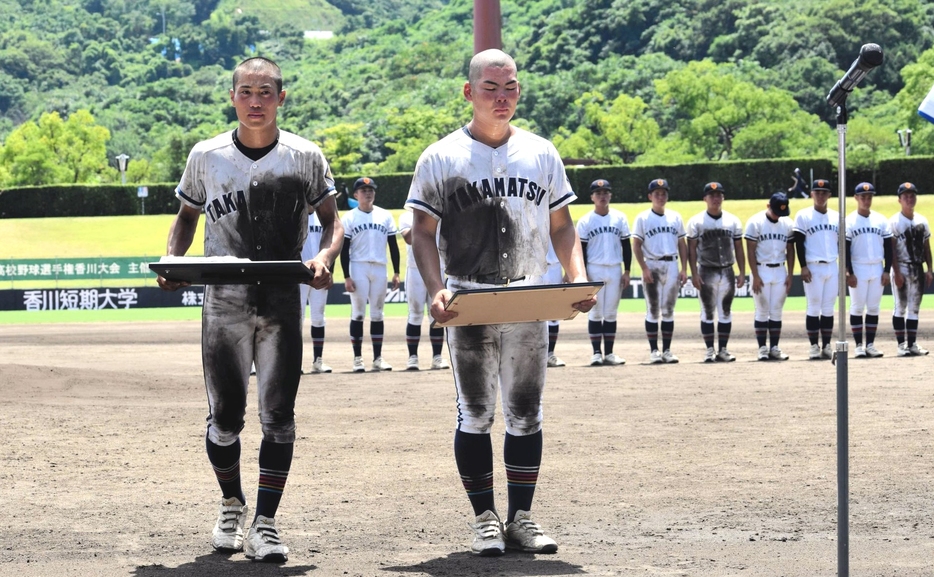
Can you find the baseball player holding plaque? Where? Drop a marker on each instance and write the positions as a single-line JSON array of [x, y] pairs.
[[255, 186], [912, 235], [604, 234], [368, 230], [770, 246], [498, 194], [816, 244], [715, 245], [868, 262], [658, 244]]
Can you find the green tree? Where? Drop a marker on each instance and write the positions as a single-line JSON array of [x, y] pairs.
[[409, 132], [341, 145]]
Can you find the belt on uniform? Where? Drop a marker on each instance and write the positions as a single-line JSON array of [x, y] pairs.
[[819, 262], [773, 264], [664, 258], [492, 279]]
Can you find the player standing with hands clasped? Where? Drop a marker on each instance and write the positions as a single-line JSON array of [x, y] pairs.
[[368, 229], [816, 244], [658, 243], [770, 245], [316, 299], [912, 252], [499, 193], [604, 234], [868, 262], [255, 186], [416, 295], [715, 244]]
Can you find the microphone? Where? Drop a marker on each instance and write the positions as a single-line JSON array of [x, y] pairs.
[[870, 56]]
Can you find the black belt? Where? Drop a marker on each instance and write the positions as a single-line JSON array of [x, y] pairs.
[[665, 258], [773, 264], [492, 279], [819, 262]]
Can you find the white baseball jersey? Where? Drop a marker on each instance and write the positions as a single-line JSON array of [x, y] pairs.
[[659, 233], [867, 235], [256, 209], [771, 238], [603, 235], [715, 238], [910, 235], [367, 233], [312, 244], [820, 234], [495, 205]]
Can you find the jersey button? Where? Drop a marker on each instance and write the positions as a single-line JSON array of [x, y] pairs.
[[503, 229], [259, 247], [255, 183], [505, 255]]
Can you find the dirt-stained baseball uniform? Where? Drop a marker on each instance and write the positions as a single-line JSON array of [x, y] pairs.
[[912, 235]]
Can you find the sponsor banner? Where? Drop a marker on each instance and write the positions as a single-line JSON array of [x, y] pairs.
[[64, 269]]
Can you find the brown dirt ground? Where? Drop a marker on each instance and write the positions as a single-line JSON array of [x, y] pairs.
[[687, 469]]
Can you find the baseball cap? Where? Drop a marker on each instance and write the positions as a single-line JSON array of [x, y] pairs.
[[779, 204], [364, 181], [864, 188], [600, 184], [907, 187], [658, 183], [821, 184], [713, 187]]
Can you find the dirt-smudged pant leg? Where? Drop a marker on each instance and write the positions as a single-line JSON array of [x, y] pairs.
[[242, 323], [662, 294], [717, 293], [908, 296], [507, 357]]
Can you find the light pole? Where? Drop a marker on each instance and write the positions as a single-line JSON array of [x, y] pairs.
[[904, 138], [121, 164]]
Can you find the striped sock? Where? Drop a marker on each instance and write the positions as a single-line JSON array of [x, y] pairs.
[[413, 334], [317, 341], [762, 330], [856, 325], [911, 330], [723, 332], [872, 323], [812, 326], [668, 330], [775, 333], [225, 460], [595, 330], [474, 456], [552, 337], [436, 335], [275, 460], [826, 330], [706, 330], [898, 323], [651, 333], [523, 457], [609, 336], [356, 337], [376, 336]]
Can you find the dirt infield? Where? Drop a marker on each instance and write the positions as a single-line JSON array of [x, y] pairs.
[[687, 469]]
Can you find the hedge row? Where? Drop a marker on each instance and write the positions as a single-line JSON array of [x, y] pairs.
[[746, 179]]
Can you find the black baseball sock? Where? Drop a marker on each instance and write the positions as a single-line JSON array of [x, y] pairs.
[[668, 330], [723, 334], [595, 330], [826, 330], [812, 325], [707, 332], [898, 323], [609, 337], [413, 334], [356, 337], [552, 338], [651, 333], [376, 335], [226, 464], [474, 456], [775, 333], [762, 329], [317, 341], [275, 460], [856, 325], [436, 335], [523, 457], [872, 323], [911, 331]]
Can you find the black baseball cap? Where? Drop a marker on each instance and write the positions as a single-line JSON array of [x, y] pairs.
[[364, 181], [779, 204], [821, 184], [600, 184], [713, 187], [864, 188], [658, 183], [907, 187]]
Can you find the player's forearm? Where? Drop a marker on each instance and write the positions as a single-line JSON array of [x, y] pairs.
[[800, 250], [332, 241], [637, 252], [692, 256], [345, 257], [427, 260], [393, 253], [627, 255], [570, 254], [181, 234], [927, 253], [740, 256], [790, 258], [889, 254]]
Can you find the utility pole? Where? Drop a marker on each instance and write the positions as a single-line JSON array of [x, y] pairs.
[[487, 25]]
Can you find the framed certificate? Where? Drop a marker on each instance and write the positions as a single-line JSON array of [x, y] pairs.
[[524, 304], [226, 270]]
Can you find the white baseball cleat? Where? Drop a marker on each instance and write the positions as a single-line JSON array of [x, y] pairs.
[[655, 358], [859, 352], [412, 363], [776, 354], [826, 352], [710, 356], [488, 535], [724, 356], [380, 365], [596, 360], [903, 350], [613, 360], [263, 542], [554, 361], [815, 353], [319, 367], [872, 351], [669, 357], [763, 353], [438, 362], [358, 366], [228, 531], [917, 351], [525, 534]]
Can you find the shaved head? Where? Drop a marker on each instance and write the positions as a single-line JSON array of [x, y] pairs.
[[259, 65], [487, 58]]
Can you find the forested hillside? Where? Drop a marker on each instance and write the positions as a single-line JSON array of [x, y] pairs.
[[642, 81]]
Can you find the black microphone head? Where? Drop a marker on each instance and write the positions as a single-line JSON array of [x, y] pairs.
[[870, 56]]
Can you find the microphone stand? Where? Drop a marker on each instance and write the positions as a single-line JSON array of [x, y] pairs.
[[840, 358]]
